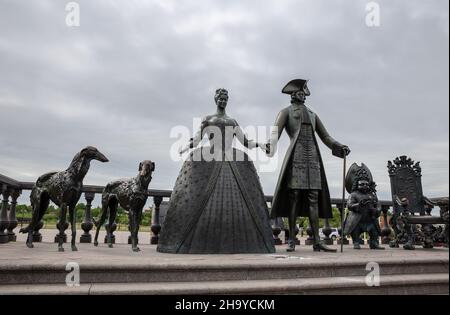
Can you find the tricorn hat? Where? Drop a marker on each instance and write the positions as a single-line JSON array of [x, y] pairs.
[[297, 85], [357, 173]]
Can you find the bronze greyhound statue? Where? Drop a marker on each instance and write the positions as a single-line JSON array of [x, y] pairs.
[[131, 195], [64, 189]]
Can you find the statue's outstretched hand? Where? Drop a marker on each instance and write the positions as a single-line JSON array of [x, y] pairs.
[[346, 150], [266, 148]]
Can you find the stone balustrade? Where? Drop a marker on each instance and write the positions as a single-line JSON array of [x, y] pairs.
[[11, 189]]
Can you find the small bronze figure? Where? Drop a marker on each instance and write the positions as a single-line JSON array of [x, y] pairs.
[[64, 189], [131, 195], [302, 188], [363, 205]]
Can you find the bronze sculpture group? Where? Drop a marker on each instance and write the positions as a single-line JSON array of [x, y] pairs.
[[218, 205]]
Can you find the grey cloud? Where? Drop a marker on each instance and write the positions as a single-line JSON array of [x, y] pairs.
[[135, 69]]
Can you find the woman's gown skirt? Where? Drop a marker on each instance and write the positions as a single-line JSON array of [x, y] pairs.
[[217, 207]]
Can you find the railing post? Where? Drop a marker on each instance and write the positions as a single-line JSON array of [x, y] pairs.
[[37, 236], [4, 238], [113, 229], [310, 240], [156, 226], [276, 231], [297, 230], [386, 231], [343, 238], [444, 204], [87, 224], [327, 232], [287, 234], [63, 235], [12, 215]]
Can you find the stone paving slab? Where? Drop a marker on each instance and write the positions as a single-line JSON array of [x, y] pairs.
[[400, 284], [18, 255]]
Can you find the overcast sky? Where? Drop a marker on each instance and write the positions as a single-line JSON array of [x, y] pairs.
[[133, 70]]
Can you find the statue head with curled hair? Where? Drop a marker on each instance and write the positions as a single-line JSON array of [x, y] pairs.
[[221, 98]]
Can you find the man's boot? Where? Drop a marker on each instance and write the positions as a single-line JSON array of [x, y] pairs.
[[321, 247], [291, 246], [314, 221], [374, 245]]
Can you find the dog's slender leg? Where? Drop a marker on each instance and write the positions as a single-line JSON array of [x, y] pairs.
[[138, 225], [36, 203], [134, 227], [102, 219], [73, 223], [112, 218], [62, 222]]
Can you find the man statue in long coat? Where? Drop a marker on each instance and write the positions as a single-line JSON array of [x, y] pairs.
[[302, 188]]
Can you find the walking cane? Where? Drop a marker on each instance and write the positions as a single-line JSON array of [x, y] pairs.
[[343, 204]]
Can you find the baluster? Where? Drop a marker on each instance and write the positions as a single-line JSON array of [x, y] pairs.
[[362, 240], [327, 232], [156, 226], [287, 234], [310, 240], [88, 223], [113, 237], [12, 215], [297, 241], [276, 231], [37, 236], [4, 238], [444, 204], [63, 235], [386, 231], [343, 238]]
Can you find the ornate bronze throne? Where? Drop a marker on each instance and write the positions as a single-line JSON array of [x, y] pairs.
[[412, 221]]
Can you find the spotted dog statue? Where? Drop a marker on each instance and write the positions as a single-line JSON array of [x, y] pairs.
[[131, 195]]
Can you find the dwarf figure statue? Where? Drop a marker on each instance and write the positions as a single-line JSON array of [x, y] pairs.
[[363, 205]]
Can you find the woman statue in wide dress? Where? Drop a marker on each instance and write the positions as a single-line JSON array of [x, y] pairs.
[[217, 205]]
